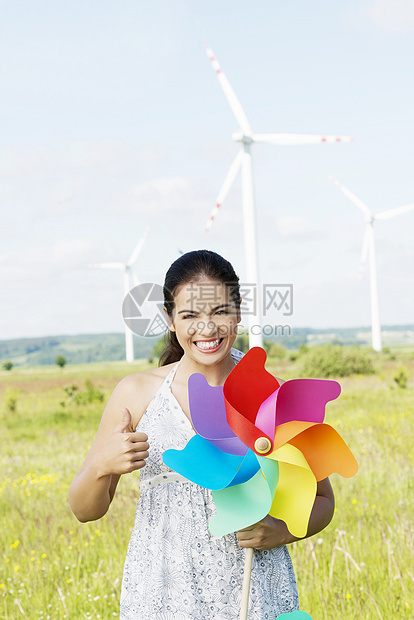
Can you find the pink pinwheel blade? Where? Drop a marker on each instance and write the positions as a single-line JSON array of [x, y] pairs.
[[305, 399], [266, 417], [301, 400]]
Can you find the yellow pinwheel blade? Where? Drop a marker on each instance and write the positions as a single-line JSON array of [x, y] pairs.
[[296, 490]]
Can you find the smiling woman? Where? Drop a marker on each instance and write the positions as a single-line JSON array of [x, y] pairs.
[[175, 568], [202, 289], [204, 327]]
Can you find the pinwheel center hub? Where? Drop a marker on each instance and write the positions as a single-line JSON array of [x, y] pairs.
[[262, 445]]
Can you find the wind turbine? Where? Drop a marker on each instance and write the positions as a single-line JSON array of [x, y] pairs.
[[130, 280], [243, 162], [368, 249]]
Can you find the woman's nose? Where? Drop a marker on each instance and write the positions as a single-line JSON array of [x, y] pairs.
[[207, 327]]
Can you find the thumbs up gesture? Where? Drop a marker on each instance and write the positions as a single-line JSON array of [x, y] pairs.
[[125, 425], [126, 450]]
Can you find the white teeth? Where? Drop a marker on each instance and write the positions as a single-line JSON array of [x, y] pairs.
[[211, 344]]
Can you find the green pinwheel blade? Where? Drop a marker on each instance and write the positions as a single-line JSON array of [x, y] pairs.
[[295, 615], [244, 504]]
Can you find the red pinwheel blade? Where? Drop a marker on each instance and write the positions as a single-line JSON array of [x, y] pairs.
[[246, 387]]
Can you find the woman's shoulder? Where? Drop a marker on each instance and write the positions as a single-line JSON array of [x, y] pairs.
[[147, 380], [138, 389]]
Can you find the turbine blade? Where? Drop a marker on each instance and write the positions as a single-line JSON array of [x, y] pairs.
[[228, 182], [134, 278], [138, 249], [230, 95], [291, 139], [106, 266], [385, 215], [357, 201], [364, 253]]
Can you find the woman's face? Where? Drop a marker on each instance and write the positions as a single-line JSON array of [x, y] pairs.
[[205, 320]]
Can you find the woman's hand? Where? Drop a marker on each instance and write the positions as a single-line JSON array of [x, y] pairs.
[[266, 534], [271, 532], [125, 450]]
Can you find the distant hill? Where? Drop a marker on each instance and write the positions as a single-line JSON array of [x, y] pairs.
[[81, 349], [87, 348]]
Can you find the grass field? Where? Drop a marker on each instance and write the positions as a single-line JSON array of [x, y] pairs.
[[52, 567]]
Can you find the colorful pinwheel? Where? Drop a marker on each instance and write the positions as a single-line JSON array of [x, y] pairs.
[[261, 447]]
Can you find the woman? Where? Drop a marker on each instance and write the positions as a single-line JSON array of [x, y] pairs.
[[175, 569]]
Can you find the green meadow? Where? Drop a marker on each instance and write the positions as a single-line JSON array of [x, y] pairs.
[[52, 567]]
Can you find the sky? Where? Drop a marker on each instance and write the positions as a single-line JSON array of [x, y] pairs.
[[114, 121]]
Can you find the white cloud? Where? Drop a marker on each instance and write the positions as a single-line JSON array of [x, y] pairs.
[[65, 253], [162, 194], [296, 226], [70, 249], [394, 15], [105, 155], [30, 162]]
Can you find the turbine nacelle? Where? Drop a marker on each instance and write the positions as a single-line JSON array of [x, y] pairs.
[[243, 163], [239, 136]]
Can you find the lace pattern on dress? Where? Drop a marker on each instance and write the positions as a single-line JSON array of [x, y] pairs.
[[174, 568]]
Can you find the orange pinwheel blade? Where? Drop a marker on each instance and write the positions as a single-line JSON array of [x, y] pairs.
[[285, 432], [325, 451]]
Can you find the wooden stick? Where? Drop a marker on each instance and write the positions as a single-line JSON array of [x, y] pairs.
[[246, 583]]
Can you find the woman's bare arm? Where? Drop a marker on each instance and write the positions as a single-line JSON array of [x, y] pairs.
[[117, 449]]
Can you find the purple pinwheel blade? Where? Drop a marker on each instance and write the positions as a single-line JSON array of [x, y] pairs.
[[208, 414]]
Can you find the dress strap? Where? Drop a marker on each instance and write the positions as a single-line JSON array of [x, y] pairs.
[[168, 379]]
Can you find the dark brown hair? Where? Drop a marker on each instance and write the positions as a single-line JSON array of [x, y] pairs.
[[192, 267]]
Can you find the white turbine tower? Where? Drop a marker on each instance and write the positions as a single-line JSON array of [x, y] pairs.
[[243, 162], [368, 249], [130, 280]]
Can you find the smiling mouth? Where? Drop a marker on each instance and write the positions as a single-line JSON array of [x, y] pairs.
[[208, 345]]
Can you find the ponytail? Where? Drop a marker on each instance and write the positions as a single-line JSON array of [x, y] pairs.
[[173, 351]]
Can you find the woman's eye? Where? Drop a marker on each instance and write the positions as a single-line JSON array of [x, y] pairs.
[[189, 316], [222, 312]]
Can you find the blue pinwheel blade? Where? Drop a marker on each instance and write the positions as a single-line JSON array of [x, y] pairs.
[[209, 467]]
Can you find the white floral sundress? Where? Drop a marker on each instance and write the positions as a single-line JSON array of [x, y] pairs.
[[174, 568]]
